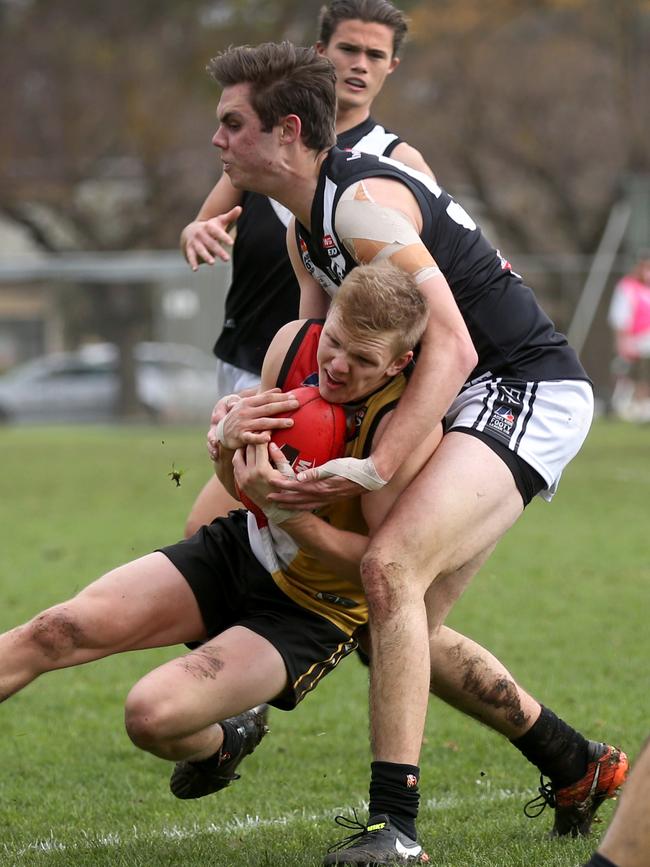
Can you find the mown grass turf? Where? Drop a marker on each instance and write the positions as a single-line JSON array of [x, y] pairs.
[[562, 602]]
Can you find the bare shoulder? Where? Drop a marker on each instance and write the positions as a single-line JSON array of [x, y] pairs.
[[412, 158], [276, 352]]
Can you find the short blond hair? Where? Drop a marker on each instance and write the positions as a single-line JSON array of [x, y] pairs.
[[383, 298]]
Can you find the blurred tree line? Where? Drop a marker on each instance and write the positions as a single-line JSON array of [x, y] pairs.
[[535, 109]]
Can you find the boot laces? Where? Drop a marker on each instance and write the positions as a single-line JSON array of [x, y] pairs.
[[349, 825], [546, 797]]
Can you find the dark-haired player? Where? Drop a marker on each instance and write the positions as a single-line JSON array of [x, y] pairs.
[[363, 39], [516, 401]]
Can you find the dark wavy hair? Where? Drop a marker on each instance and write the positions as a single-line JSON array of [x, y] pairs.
[[284, 79], [372, 11]]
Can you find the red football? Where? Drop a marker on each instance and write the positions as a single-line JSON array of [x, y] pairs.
[[318, 434]]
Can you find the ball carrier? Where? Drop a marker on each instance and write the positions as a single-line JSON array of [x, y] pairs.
[[282, 589]]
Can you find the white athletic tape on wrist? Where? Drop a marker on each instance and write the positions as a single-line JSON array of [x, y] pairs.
[[230, 400], [276, 514], [362, 472], [219, 432], [273, 512]]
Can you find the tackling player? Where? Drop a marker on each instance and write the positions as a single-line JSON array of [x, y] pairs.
[[363, 39], [516, 402]]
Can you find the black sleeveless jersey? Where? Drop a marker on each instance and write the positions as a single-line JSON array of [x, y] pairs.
[[264, 293], [513, 337]]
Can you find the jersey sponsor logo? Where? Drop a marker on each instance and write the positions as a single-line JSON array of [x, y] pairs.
[[330, 279], [505, 265], [330, 247], [336, 600]]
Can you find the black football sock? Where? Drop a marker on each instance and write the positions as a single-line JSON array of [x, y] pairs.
[[559, 751], [394, 791], [232, 741], [597, 860], [231, 745]]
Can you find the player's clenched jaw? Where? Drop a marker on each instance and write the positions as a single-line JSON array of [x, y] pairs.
[[351, 364], [247, 151]]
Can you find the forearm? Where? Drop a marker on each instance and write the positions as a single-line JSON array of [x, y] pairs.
[[441, 369], [223, 469], [339, 550]]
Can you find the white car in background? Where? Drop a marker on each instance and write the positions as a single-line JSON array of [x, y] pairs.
[[174, 383]]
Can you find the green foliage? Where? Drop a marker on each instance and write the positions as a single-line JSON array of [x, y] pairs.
[[562, 602]]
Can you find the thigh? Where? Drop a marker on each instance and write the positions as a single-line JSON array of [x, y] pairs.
[[458, 506], [145, 603], [230, 673], [448, 587]]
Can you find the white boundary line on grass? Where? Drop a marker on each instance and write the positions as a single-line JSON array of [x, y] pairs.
[[248, 823]]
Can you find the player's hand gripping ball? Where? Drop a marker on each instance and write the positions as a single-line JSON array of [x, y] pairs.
[[318, 434]]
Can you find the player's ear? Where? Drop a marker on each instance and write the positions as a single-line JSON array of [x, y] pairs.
[[395, 62], [399, 363], [321, 47], [290, 129]]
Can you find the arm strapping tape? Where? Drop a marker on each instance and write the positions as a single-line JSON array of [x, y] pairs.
[[362, 472], [273, 512], [230, 401]]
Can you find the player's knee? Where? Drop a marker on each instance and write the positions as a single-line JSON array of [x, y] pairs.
[[384, 585], [149, 721], [55, 633]]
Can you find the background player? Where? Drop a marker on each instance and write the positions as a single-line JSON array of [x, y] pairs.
[[517, 403], [362, 38]]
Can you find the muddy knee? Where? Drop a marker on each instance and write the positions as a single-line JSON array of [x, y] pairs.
[[384, 584], [55, 633]]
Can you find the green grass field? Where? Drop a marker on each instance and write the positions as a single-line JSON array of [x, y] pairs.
[[563, 602]]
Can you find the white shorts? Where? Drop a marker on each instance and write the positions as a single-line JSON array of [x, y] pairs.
[[544, 423], [232, 380]]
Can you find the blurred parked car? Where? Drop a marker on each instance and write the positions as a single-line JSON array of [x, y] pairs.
[[174, 382]]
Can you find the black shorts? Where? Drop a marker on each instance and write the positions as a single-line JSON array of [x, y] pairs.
[[232, 588]]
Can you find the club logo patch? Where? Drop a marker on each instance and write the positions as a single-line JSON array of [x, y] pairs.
[[506, 410]]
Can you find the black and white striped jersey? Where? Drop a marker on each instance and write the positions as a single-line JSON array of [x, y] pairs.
[[511, 333]]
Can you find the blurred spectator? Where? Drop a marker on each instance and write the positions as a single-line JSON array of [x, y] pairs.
[[629, 317]]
